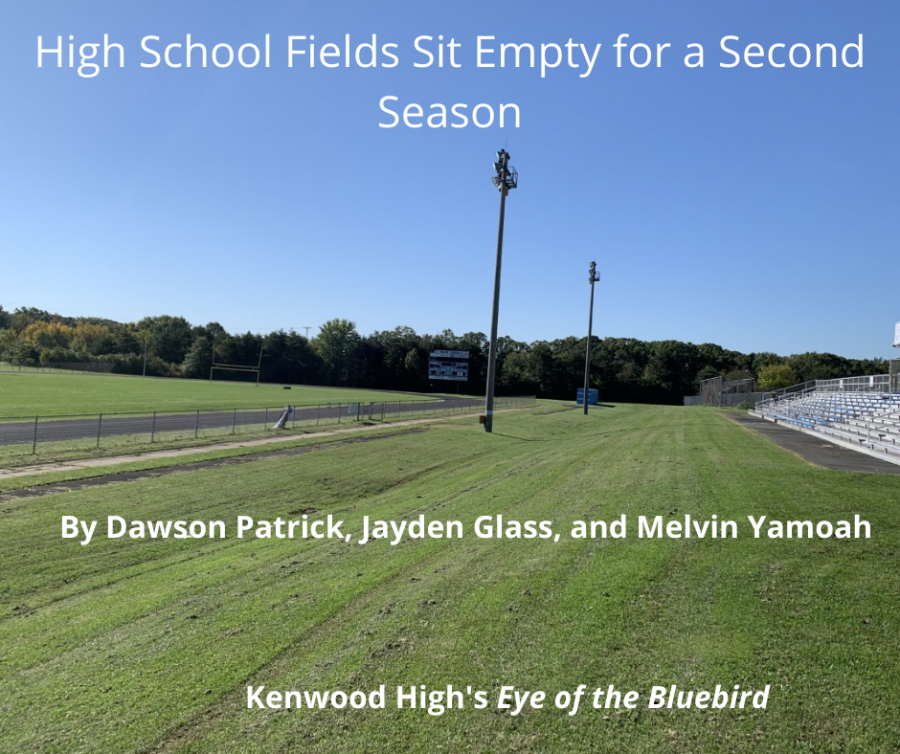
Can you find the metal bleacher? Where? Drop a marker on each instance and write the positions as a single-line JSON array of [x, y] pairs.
[[861, 413]]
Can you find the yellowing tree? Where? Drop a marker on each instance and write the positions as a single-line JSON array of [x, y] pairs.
[[47, 335], [89, 338]]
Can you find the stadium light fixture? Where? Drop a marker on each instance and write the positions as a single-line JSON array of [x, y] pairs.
[[505, 179], [593, 277]]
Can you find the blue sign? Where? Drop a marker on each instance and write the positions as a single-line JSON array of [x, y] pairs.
[[593, 397]]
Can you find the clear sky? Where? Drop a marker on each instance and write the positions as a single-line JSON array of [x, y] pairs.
[[754, 208]]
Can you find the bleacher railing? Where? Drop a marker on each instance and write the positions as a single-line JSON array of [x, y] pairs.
[[876, 383], [873, 383]]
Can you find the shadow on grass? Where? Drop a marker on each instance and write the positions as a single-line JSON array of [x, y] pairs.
[[523, 439]]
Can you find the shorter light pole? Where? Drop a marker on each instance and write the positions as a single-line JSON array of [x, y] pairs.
[[146, 338], [593, 277], [259, 365]]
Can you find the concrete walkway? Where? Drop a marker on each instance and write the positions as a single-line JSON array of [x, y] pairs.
[[816, 450]]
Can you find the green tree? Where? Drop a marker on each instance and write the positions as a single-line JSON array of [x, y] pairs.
[[22, 317], [705, 373], [413, 363], [819, 366], [171, 337], [198, 360], [670, 374], [289, 357], [775, 376]]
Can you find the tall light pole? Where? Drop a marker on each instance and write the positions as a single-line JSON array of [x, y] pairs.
[[506, 178], [593, 277]]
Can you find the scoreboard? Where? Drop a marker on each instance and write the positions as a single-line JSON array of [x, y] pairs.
[[449, 365]]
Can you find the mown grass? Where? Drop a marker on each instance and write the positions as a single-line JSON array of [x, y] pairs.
[[206, 452], [149, 645], [29, 394]]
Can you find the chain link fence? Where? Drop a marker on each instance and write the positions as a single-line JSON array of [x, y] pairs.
[[72, 432], [59, 367], [717, 391]]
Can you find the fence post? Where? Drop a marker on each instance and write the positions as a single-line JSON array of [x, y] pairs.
[[34, 441], [153, 428], [266, 427], [197, 425], [234, 421], [99, 425], [318, 411], [339, 413]]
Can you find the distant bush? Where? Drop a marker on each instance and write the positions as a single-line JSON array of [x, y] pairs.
[[133, 363]]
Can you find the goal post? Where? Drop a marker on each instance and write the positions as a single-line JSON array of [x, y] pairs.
[[236, 367], [233, 368]]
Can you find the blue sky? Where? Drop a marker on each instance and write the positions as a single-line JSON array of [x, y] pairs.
[[754, 208]]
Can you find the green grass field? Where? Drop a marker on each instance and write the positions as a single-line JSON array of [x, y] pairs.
[[142, 645], [27, 394]]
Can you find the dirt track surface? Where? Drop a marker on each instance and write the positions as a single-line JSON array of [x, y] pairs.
[[815, 450]]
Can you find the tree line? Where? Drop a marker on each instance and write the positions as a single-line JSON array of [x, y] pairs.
[[623, 369]]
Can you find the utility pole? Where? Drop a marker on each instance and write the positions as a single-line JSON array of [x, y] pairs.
[[259, 365], [593, 277], [145, 338], [506, 178], [307, 331]]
